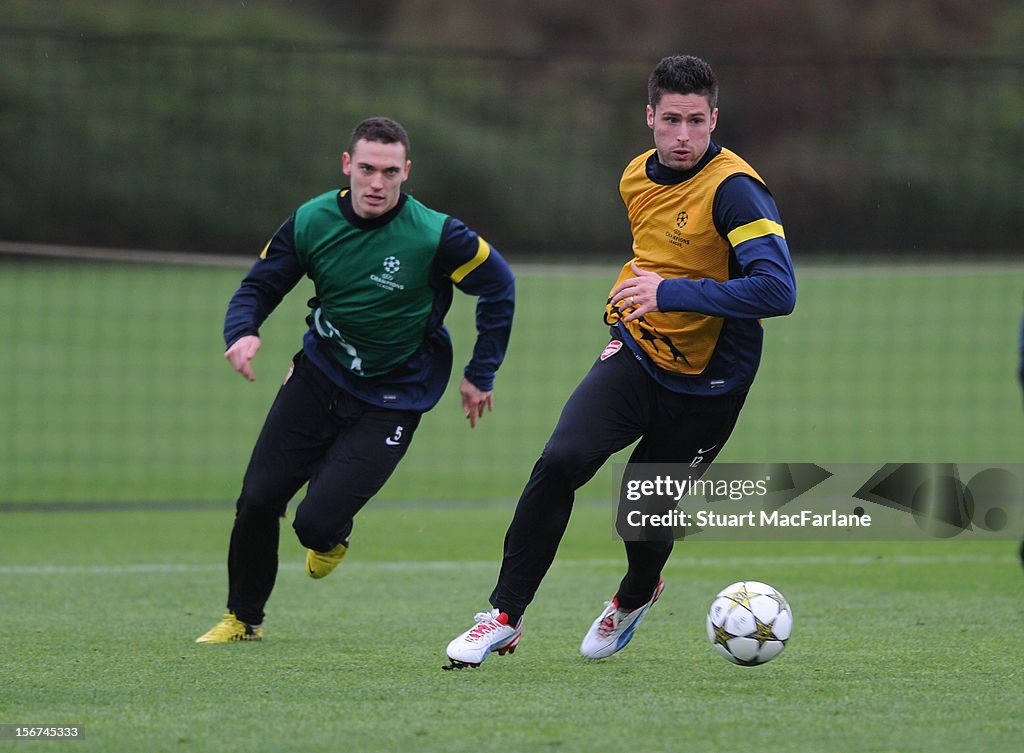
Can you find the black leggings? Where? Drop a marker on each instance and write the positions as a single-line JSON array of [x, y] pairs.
[[318, 433], [616, 404]]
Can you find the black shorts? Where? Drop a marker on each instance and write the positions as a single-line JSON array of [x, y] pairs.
[[617, 403], [346, 449]]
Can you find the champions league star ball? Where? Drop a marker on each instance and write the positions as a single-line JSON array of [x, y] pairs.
[[749, 623]]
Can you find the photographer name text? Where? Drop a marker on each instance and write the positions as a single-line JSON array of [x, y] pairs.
[[749, 519]]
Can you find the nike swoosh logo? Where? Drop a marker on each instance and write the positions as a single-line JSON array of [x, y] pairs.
[[709, 449], [392, 442]]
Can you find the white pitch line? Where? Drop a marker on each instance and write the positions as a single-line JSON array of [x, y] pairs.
[[435, 565]]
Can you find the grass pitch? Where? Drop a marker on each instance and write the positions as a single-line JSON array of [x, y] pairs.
[[901, 647], [118, 412]]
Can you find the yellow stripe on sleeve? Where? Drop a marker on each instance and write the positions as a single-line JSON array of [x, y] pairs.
[[482, 252], [755, 229], [263, 253]]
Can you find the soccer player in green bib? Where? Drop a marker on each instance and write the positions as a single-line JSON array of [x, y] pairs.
[[375, 357]]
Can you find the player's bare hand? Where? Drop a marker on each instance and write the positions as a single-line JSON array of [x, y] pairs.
[[474, 400], [241, 353], [638, 295]]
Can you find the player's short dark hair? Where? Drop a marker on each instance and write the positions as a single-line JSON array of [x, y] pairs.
[[682, 74], [382, 130]]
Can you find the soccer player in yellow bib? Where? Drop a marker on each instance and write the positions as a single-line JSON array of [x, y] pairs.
[[709, 262]]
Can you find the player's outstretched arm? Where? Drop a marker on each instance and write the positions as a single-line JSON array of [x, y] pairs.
[[241, 353]]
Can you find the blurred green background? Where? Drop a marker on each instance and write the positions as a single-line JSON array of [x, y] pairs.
[[889, 135], [200, 125], [115, 388]]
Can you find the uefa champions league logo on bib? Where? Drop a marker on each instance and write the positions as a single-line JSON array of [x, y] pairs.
[[387, 280]]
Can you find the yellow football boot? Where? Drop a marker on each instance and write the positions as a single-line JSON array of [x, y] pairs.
[[231, 629], [321, 564]]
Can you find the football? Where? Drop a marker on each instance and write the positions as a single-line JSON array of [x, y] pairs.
[[749, 623]]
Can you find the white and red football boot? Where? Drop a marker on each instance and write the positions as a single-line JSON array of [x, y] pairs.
[[490, 633], [614, 627]]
